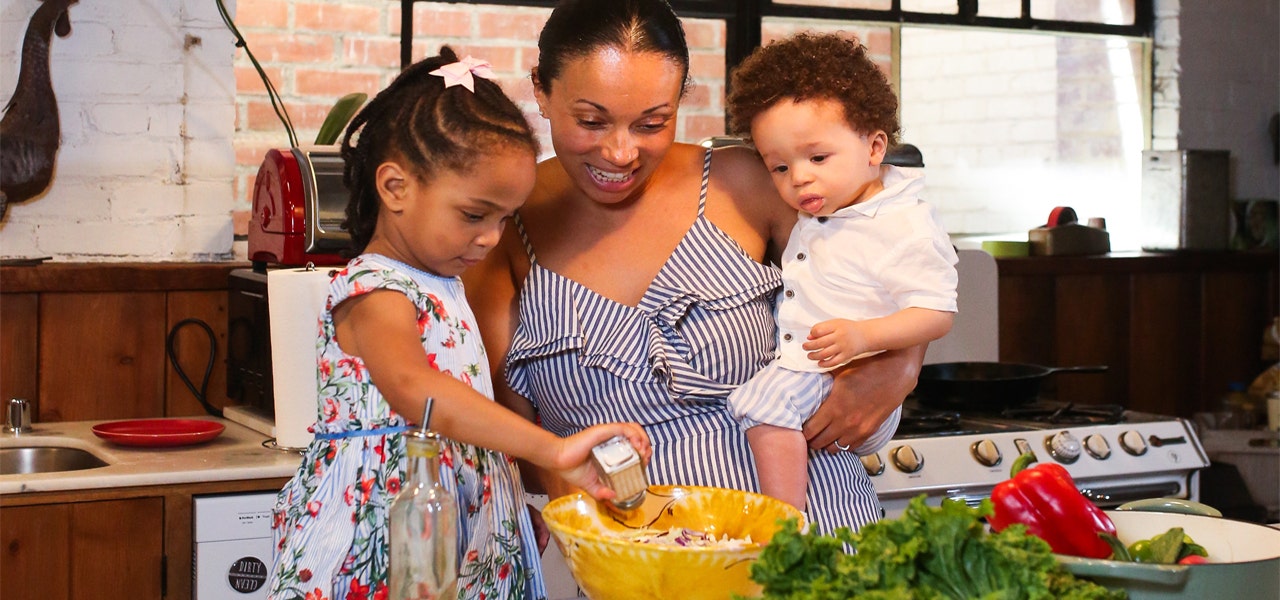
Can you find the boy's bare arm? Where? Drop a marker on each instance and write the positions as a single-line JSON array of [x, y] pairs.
[[837, 341]]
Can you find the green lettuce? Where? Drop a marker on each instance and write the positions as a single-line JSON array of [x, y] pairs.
[[931, 553]]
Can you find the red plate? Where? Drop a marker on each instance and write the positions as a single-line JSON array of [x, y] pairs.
[[158, 432]]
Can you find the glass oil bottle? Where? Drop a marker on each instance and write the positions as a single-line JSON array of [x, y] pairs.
[[424, 526]]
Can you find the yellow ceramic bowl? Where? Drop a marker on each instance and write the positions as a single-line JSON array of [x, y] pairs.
[[609, 567]]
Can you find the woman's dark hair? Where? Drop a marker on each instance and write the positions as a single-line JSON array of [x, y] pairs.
[[576, 28], [426, 127], [810, 66]]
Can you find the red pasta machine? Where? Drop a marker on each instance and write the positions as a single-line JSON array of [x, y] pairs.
[[299, 204]]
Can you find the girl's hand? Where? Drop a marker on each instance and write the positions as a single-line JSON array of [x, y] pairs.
[[572, 458]]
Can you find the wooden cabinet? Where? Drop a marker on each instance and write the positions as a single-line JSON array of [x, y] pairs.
[[126, 544], [89, 341], [1174, 329], [106, 549]]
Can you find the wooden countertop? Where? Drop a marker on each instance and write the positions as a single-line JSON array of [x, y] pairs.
[[235, 455], [117, 277], [1142, 262]]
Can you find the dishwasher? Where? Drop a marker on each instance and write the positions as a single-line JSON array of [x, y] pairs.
[[231, 546]]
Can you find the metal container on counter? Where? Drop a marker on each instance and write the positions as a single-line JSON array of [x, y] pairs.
[[1185, 201]]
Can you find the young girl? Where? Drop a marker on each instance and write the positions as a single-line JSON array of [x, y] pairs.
[[866, 269], [436, 164]]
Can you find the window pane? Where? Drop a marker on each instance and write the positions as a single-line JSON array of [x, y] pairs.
[[1014, 124], [871, 4], [876, 37], [942, 7], [1005, 9], [1110, 12]]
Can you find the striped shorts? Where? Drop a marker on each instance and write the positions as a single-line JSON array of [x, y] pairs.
[[782, 397]]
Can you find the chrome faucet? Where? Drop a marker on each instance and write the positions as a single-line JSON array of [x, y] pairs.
[[19, 420]]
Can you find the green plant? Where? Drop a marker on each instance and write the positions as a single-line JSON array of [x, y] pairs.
[[341, 113]]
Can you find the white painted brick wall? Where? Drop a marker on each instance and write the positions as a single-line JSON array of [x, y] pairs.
[[146, 96], [1164, 76], [1228, 94]]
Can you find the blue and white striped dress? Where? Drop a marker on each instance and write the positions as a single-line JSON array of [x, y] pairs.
[[704, 326]]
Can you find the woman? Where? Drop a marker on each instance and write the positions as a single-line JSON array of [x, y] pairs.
[[631, 286]]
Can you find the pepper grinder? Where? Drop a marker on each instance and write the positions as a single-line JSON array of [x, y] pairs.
[[622, 470]]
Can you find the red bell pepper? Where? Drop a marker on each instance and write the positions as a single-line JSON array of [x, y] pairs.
[[1045, 499]]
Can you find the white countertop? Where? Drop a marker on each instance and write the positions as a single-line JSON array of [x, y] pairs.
[[1240, 441], [236, 454]]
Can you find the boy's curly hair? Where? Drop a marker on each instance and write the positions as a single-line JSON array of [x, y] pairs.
[[812, 66]]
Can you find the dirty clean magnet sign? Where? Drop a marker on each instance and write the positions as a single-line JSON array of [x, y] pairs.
[[247, 575]]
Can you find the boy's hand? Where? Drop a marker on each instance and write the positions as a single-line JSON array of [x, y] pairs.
[[572, 458], [835, 342]]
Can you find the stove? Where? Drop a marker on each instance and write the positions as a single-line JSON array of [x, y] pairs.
[[1114, 455]]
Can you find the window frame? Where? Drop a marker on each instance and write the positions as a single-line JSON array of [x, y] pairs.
[[744, 19]]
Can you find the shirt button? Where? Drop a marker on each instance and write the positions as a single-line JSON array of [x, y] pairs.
[[800, 256], [822, 219], [786, 337], [790, 293]]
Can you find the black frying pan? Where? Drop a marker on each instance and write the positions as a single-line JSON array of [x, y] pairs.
[[985, 386]]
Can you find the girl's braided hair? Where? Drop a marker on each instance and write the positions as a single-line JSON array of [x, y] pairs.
[[426, 127]]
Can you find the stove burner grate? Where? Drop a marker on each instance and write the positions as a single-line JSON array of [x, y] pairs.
[[1068, 414], [918, 422]]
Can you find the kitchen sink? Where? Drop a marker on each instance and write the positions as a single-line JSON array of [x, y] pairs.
[[26, 460]]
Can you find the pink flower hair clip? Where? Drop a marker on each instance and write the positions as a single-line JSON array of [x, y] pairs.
[[462, 72]]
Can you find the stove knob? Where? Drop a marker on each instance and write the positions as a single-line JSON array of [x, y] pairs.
[[1063, 447], [906, 459], [872, 464], [1097, 446], [1133, 443], [986, 453]]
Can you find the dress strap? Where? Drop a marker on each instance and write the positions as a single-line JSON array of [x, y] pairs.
[[524, 238], [706, 179]]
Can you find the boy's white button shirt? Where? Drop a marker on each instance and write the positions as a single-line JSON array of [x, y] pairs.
[[864, 261]]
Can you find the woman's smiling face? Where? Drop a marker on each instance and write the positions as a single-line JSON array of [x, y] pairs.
[[613, 117]]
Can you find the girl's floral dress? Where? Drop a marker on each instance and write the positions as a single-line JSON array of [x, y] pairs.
[[330, 520]]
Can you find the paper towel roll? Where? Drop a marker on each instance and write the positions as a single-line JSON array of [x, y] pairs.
[[295, 299]]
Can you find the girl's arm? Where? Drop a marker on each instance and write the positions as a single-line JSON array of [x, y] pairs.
[[381, 328]]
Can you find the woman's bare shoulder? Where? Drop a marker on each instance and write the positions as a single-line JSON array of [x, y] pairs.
[[739, 175], [739, 171]]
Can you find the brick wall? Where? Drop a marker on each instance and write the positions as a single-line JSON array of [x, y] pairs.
[[317, 51]]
